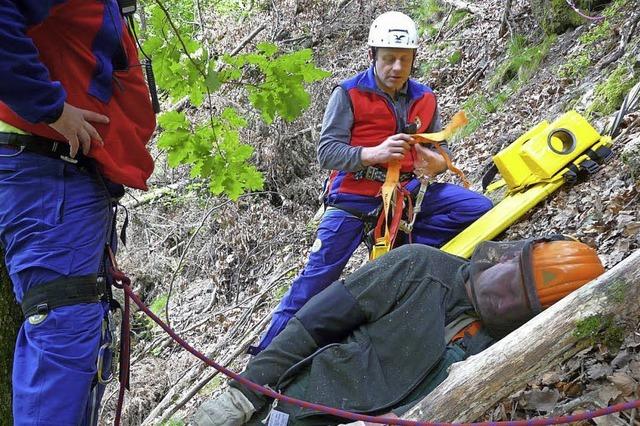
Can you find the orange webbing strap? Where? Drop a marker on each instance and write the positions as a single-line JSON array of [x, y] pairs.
[[390, 197], [471, 330], [442, 152], [392, 204], [457, 121]]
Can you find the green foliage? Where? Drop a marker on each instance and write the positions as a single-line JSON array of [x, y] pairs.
[[576, 66], [479, 106], [173, 422], [598, 329], [210, 387], [280, 291], [596, 33], [615, 8], [281, 91], [184, 66], [555, 16], [159, 304], [230, 7], [427, 14], [456, 57], [609, 94], [522, 60], [179, 59], [617, 290], [213, 149], [458, 16], [427, 66]]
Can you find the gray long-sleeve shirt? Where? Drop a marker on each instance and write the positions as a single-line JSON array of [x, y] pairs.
[[335, 151]]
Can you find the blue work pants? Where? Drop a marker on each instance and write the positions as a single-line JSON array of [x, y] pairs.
[[54, 220], [445, 211]]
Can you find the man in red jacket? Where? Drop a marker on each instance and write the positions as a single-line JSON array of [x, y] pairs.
[[368, 123], [75, 117]]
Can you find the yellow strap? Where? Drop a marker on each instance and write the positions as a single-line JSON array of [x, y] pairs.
[[393, 171], [457, 121], [4, 127]]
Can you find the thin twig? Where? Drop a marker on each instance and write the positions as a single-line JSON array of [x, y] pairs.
[[240, 350], [505, 24], [443, 24], [184, 253], [247, 39], [255, 331]]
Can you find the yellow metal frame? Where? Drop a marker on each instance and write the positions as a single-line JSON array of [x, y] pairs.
[[544, 150], [529, 174]]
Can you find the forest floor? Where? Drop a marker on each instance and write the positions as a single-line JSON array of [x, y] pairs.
[[214, 269]]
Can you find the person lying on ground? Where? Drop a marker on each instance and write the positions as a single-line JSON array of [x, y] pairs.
[[382, 339]]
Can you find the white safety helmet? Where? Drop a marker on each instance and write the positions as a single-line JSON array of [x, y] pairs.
[[393, 29]]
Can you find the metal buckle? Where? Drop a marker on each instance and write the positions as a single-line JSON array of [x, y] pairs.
[[68, 159], [42, 309], [108, 345]]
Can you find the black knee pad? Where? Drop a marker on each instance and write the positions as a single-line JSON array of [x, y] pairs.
[[331, 315]]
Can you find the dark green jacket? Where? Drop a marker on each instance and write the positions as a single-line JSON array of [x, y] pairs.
[[382, 333]]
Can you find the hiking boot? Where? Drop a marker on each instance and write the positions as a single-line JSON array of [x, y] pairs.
[[231, 408]]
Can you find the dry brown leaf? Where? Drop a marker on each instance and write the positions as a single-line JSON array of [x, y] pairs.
[[610, 420], [607, 393], [598, 371], [541, 400], [625, 383], [551, 377], [634, 369]]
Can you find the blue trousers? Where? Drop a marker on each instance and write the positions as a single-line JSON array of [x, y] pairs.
[[445, 211], [54, 220]]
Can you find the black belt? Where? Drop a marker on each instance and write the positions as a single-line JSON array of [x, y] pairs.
[[43, 146], [63, 292], [379, 174]]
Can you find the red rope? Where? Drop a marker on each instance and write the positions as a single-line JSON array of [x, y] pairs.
[[125, 283], [591, 18]]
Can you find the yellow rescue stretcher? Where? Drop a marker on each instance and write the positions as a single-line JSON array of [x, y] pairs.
[[532, 168]]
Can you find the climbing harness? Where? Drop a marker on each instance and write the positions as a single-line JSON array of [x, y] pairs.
[[395, 198]]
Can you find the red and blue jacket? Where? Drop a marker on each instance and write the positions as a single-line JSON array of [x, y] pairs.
[[79, 52], [374, 120]]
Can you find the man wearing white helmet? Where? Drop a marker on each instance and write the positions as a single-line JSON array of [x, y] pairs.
[[367, 123]]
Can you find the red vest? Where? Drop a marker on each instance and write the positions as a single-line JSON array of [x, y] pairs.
[[374, 120], [65, 41]]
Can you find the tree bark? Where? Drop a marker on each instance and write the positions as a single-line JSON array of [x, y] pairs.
[[477, 384], [10, 320]]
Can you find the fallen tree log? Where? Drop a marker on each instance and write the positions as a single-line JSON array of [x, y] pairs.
[[477, 384]]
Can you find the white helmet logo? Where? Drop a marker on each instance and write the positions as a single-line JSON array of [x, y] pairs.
[[398, 36]]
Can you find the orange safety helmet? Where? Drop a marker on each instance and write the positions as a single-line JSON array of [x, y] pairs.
[[509, 282], [560, 267]]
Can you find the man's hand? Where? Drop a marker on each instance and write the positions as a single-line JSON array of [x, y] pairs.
[[429, 162], [393, 148], [74, 124]]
